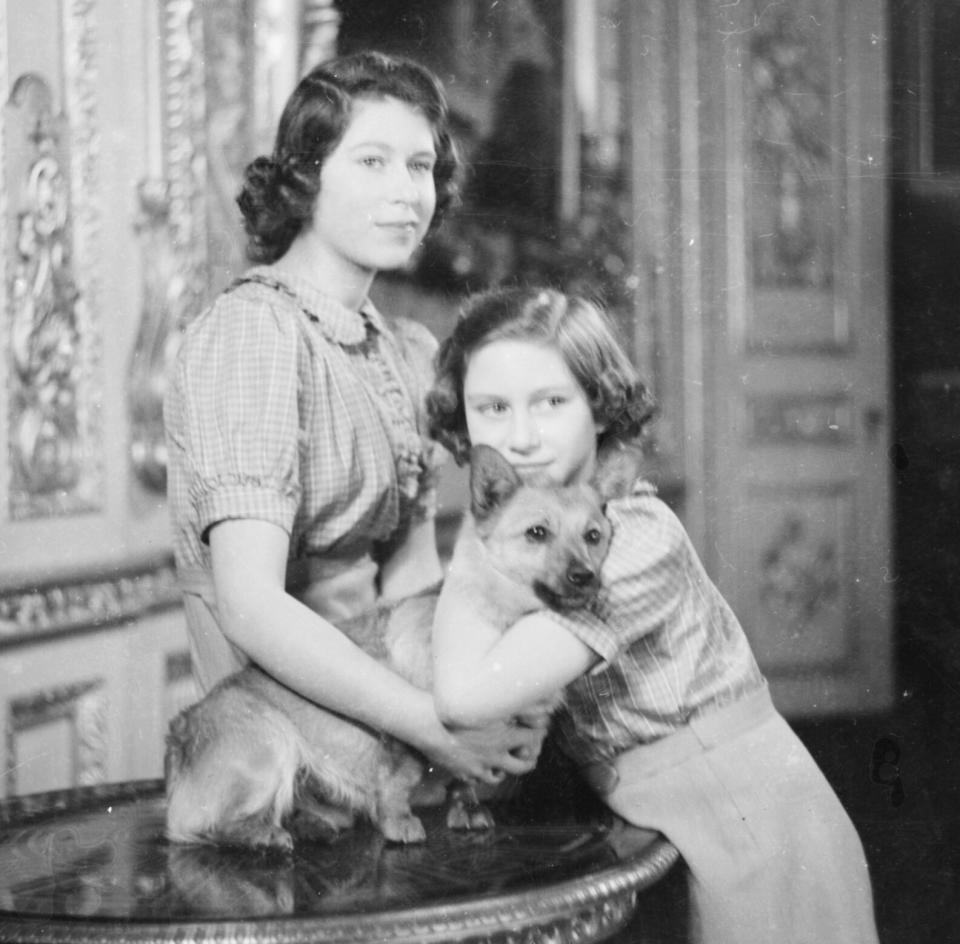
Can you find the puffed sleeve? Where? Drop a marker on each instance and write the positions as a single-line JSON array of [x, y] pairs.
[[237, 372], [644, 578]]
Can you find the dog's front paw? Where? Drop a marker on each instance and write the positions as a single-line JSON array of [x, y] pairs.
[[258, 837], [406, 829], [467, 812]]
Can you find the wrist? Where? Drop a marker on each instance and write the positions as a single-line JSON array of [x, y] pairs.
[[424, 730]]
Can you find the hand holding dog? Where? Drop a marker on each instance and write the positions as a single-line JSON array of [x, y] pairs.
[[355, 684], [490, 752]]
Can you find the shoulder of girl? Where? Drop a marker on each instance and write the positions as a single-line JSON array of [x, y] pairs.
[[246, 302], [641, 506], [412, 335], [637, 495]]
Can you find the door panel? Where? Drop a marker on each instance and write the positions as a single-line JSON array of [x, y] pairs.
[[802, 490], [761, 218]]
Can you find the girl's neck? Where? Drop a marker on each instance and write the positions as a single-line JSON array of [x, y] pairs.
[[332, 274]]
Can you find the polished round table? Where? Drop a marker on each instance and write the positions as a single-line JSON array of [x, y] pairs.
[[92, 865]]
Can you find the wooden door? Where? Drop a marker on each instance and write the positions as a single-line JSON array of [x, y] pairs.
[[759, 175]]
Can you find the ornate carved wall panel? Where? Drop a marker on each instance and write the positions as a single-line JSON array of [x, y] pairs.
[[74, 83], [50, 312], [101, 246], [124, 129]]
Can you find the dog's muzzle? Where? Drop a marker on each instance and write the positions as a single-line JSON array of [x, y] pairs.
[[572, 596], [581, 577]]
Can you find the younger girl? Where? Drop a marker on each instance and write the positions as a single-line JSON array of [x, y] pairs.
[[666, 711]]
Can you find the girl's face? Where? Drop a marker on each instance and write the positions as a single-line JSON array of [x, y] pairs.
[[521, 398], [377, 193]]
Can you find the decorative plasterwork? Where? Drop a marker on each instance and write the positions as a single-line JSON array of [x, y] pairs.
[[39, 611], [800, 574], [797, 196], [52, 212], [172, 232], [792, 241]]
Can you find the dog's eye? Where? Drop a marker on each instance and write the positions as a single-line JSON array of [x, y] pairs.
[[593, 536], [536, 533]]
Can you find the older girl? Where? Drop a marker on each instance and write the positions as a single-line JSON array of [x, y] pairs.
[[300, 481]]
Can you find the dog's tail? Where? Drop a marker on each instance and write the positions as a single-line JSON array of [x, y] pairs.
[[231, 771]]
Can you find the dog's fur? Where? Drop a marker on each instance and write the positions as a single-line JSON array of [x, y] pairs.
[[253, 760]]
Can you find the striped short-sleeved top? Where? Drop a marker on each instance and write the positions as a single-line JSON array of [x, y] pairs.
[[671, 647], [285, 406]]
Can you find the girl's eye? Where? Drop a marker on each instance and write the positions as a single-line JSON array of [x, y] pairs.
[[536, 534], [494, 409], [422, 167], [551, 402], [372, 160]]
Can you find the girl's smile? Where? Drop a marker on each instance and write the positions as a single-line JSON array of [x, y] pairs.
[[377, 194], [521, 398]]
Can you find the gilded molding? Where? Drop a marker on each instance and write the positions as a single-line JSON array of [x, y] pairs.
[[84, 603], [184, 103]]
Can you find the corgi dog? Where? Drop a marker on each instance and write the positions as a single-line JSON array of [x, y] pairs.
[[253, 763]]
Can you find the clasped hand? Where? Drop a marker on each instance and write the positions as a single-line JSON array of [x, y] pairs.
[[490, 752]]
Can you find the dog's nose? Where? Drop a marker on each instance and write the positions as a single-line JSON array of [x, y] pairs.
[[580, 576]]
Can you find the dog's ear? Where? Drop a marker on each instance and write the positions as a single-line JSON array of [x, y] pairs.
[[492, 481], [618, 466]]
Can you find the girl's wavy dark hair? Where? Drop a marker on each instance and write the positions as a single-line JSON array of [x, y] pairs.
[[579, 330], [279, 192]]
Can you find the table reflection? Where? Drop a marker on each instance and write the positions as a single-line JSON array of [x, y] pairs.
[[93, 864]]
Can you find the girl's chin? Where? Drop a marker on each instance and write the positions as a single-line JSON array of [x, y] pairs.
[[536, 475], [392, 261]]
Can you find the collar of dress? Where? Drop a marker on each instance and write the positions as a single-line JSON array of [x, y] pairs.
[[337, 323]]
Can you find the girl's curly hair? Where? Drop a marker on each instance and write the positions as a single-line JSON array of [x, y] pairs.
[[578, 329], [279, 191]]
